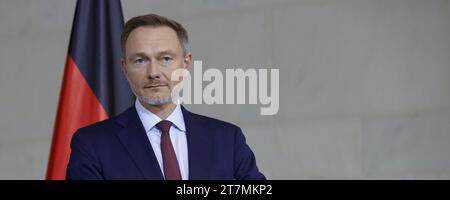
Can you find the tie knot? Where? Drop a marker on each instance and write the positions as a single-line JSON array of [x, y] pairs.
[[164, 125]]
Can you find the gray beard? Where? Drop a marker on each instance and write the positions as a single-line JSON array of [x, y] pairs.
[[155, 101]]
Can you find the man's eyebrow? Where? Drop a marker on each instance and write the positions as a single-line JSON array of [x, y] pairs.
[[139, 54], [144, 55], [165, 52]]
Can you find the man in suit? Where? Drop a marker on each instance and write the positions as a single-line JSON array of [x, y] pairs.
[[157, 138]]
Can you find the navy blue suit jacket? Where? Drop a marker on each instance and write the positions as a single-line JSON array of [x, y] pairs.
[[118, 148]]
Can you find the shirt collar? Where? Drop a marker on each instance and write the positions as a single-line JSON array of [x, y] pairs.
[[149, 120]]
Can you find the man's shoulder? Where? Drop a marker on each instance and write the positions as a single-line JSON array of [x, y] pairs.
[[102, 128], [98, 130], [209, 122]]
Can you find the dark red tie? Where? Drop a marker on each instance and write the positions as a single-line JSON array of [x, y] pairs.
[[170, 163]]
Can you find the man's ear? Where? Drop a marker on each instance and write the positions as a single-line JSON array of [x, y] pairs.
[[124, 67], [188, 61]]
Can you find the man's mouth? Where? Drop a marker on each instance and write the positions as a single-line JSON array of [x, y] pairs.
[[155, 86]]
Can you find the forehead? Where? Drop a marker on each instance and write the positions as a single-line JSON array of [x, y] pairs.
[[152, 38]]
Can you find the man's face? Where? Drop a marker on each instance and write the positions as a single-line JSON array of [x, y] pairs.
[[152, 54]]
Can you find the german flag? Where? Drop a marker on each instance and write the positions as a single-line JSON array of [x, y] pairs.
[[94, 87]]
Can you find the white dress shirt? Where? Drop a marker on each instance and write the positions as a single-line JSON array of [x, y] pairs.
[[177, 136]]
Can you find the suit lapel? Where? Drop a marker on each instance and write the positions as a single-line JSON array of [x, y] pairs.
[[135, 140], [199, 146]]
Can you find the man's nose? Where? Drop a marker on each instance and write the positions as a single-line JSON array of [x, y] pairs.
[[153, 70]]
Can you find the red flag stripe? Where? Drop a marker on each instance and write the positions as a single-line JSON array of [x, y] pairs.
[[78, 107]]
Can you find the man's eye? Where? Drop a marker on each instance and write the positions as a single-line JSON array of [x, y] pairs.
[[167, 59], [138, 61]]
